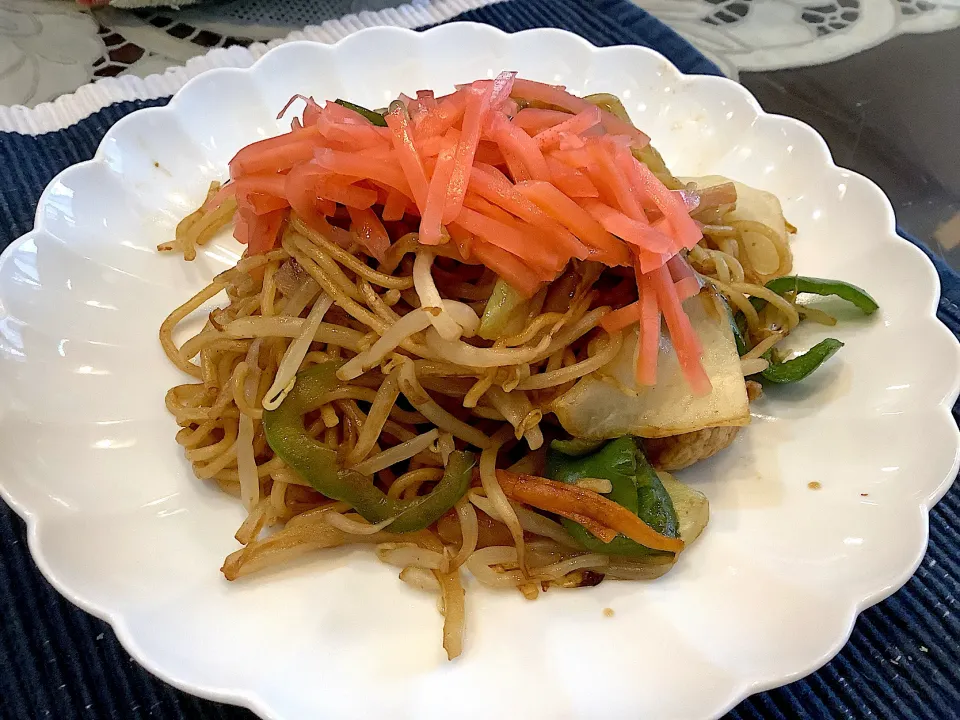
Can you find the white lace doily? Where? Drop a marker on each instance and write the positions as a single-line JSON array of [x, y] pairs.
[[742, 35], [52, 47]]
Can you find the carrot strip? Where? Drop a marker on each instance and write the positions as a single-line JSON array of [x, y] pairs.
[[547, 258], [226, 190], [506, 237], [244, 219], [619, 319], [344, 193], [485, 207], [444, 116], [509, 107], [500, 192], [395, 206], [570, 181], [684, 278], [265, 183], [370, 231], [626, 163], [687, 288], [582, 121], [385, 191], [615, 180], [680, 269], [558, 497], [646, 372], [567, 141], [264, 231], [311, 112], [502, 87], [292, 100], [672, 206], [368, 166], [427, 99], [599, 531], [262, 203], [417, 111], [522, 147], [576, 159], [300, 189], [357, 137], [533, 120], [507, 266], [559, 97], [558, 206], [275, 154], [430, 223], [632, 231], [339, 113], [515, 165], [512, 269], [492, 170], [489, 153], [408, 157], [463, 240], [253, 151], [473, 117], [686, 344], [649, 261]]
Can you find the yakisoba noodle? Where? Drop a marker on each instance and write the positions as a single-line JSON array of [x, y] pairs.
[[420, 289]]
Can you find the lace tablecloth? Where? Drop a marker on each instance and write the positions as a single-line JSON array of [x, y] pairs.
[[52, 47]]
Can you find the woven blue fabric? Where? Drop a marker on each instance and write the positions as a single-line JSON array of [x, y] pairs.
[[58, 662]]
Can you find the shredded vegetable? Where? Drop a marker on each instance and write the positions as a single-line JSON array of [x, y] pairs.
[[433, 293], [518, 190]]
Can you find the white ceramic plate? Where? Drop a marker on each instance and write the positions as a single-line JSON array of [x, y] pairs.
[[119, 525]]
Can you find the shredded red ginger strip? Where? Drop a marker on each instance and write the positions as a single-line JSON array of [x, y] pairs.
[[619, 319], [686, 344], [430, 223], [521, 191], [684, 277], [370, 230], [646, 371]]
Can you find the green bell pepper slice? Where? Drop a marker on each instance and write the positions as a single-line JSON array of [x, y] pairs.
[[317, 464], [798, 368], [818, 286], [575, 447], [636, 487], [374, 117]]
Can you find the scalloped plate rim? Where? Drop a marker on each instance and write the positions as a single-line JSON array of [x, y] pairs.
[[738, 692]]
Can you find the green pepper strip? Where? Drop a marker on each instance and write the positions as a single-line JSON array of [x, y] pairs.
[[374, 117], [818, 286], [317, 464], [635, 486], [575, 447], [799, 367]]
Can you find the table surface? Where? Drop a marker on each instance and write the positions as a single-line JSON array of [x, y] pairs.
[[886, 99]]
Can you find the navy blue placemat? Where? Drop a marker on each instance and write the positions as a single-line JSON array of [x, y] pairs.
[[58, 662]]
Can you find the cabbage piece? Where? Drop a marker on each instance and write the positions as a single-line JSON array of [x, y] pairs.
[[600, 408], [754, 206], [502, 307], [691, 506]]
